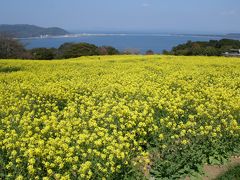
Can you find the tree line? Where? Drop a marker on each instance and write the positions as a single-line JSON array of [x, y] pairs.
[[13, 49], [201, 48]]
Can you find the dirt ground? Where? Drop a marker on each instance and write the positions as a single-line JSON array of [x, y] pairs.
[[215, 171]]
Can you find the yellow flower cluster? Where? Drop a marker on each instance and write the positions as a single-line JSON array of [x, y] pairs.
[[94, 117]]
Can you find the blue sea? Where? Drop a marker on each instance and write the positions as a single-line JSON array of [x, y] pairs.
[[140, 42]]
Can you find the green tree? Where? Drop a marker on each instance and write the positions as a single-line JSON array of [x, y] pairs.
[[107, 50], [43, 53], [211, 48], [166, 52], [149, 52], [12, 49], [73, 50]]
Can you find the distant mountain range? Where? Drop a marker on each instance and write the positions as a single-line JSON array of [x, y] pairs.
[[29, 31]]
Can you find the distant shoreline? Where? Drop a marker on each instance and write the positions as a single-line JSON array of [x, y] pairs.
[[125, 34]]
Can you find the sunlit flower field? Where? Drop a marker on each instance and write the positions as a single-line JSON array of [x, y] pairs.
[[114, 117]]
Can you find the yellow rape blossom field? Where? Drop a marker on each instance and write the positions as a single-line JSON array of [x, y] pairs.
[[117, 117]]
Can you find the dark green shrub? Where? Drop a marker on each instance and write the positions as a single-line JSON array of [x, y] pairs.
[[73, 50], [43, 53]]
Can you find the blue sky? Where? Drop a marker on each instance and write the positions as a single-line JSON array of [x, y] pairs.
[[177, 16]]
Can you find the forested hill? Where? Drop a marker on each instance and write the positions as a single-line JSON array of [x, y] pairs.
[[203, 48], [26, 31]]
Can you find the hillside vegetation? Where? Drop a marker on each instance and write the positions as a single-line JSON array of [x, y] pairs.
[[202, 48], [28, 31], [13, 49], [117, 117]]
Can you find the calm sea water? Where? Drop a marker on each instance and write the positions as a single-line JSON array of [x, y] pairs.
[[157, 43]]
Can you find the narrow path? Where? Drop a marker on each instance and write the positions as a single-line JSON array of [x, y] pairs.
[[214, 171]]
